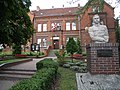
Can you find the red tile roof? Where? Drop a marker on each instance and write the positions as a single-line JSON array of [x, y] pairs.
[[56, 11]]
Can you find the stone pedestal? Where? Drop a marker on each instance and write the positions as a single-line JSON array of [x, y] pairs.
[[103, 58]]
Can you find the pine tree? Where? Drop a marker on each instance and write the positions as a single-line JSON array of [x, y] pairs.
[[71, 47]]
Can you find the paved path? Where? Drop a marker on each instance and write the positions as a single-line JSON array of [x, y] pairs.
[[6, 83], [52, 53], [18, 71]]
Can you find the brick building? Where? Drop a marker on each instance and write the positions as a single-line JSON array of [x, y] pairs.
[[54, 26]]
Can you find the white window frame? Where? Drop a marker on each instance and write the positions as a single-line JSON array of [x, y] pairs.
[[44, 42], [39, 27], [39, 41], [73, 26], [95, 9], [67, 25], [44, 27]]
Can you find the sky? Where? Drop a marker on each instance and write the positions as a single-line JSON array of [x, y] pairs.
[[47, 4]]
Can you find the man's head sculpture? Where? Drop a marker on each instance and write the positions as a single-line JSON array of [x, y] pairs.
[[98, 32]]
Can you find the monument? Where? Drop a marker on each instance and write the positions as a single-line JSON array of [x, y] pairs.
[[102, 55], [98, 32]]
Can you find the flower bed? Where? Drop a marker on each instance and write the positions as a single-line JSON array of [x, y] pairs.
[[20, 55], [77, 56]]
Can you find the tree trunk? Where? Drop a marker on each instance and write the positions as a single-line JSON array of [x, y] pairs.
[[72, 57]]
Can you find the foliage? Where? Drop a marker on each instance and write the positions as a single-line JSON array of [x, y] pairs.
[[67, 79], [79, 66], [60, 58], [71, 47], [15, 23], [117, 32], [16, 49], [79, 49], [47, 63], [42, 79], [33, 53], [100, 3]]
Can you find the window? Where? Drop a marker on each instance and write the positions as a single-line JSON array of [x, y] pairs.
[[44, 42], [58, 26], [39, 42], [75, 39], [73, 26], [39, 27], [68, 26], [44, 27], [95, 9], [55, 26], [67, 39]]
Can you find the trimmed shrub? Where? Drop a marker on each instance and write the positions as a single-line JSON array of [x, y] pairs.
[[29, 84], [47, 63], [66, 65], [75, 68], [43, 79], [82, 69]]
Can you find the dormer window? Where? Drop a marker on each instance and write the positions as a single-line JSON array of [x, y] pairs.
[[95, 9]]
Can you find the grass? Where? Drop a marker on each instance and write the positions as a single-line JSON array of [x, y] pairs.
[[10, 61], [67, 79]]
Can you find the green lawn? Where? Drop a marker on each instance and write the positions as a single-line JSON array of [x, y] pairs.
[[10, 61], [67, 80]]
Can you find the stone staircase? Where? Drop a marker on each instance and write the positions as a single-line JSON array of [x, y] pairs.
[[15, 74]]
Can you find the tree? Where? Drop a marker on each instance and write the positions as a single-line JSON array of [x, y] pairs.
[[71, 47], [90, 2], [79, 49], [15, 25], [60, 57]]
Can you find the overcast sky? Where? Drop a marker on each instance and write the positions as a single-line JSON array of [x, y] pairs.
[[47, 4]]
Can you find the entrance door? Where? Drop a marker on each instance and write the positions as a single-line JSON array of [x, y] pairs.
[[56, 44]]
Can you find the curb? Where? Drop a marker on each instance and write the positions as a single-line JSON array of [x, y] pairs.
[[14, 63]]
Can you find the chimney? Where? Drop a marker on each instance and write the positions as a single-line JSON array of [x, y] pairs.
[[63, 6], [78, 5], [38, 8], [52, 6]]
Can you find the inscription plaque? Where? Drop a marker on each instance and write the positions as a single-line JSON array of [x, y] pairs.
[[104, 53]]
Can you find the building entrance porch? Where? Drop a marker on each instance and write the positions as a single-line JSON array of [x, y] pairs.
[[55, 42]]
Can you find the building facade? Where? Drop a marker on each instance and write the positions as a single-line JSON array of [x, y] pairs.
[[53, 27]]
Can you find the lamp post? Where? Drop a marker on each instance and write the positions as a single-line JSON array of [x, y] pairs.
[[32, 45], [62, 47]]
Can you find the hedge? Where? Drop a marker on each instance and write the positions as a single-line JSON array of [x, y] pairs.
[[42, 79], [47, 63]]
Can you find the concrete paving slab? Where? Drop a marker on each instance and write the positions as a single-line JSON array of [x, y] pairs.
[[86, 81], [6, 84]]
